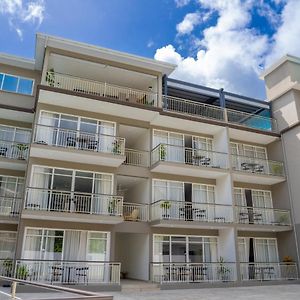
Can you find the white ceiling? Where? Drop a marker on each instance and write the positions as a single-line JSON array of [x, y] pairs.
[[100, 72]]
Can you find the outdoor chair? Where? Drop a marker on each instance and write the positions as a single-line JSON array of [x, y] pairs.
[[71, 142], [82, 274], [3, 151]]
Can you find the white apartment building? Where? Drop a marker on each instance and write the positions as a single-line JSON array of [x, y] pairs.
[[110, 169]]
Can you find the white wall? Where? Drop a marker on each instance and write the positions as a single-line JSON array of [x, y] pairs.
[[133, 253], [224, 190], [227, 244], [139, 193]]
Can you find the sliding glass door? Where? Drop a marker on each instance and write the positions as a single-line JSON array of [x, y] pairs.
[[69, 190], [173, 144], [75, 131], [184, 249], [68, 245]]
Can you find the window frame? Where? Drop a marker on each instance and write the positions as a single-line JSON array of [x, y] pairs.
[[18, 80]]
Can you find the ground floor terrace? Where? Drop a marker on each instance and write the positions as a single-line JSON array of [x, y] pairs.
[[103, 258]]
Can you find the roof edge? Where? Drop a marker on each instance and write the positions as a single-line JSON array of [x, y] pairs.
[[278, 63], [17, 61], [44, 40]]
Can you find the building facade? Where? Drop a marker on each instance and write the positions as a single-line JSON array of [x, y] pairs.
[[109, 169]]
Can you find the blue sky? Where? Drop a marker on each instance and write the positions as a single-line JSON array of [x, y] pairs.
[[220, 43]]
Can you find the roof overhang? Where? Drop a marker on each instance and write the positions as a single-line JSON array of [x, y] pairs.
[[43, 41], [278, 63], [17, 61]]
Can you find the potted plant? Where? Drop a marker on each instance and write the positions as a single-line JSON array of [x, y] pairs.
[[165, 206], [50, 77], [113, 206], [8, 267], [162, 152], [283, 220], [22, 272], [223, 271], [288, 260], [116, 147], [276, 169], [21, 150]]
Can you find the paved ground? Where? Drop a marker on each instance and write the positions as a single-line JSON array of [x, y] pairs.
[[277, 292]]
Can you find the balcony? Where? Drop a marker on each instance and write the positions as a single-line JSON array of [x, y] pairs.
[[9, 208], [73, 145], [180, 160], [251, 120], [73, 206], [256, 170], [256, 216], [66, 272], [13, 155], [137, 158], [135, 212], [268, 271], [193, 108], [165, 213], [164, 273]]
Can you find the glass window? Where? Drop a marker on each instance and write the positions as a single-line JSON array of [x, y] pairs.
[[25, 86], [7, 244], [10, 83], [1, 78]]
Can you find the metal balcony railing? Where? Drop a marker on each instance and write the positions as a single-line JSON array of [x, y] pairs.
[[74, 139], [63, 271], [137, 158], [193, 108], [102, 89], [136, 212], [268, 271], [251, 120], [193, 272], [10, 206], [262, 216], [191, 211], [257, 165], [76, 202], [14, 150], [189, 156]]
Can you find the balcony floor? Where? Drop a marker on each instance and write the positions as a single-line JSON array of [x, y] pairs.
[[76, 155], [189, 224], [248, 177], [70, 217], [188, 170]]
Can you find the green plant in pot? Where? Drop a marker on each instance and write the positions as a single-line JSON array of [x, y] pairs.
[[8, 267], [162, 152], [112, 206], [116, 147], [165, 206], [50, 77], [223, 271], [21, 150], [283, 220], [22, 272]]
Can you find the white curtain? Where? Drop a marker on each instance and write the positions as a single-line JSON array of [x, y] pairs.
[[75, 245], [210, 249], [46, 133], [261, 200], [40, 183], [243, 249], [7, 244], [265, 250], [176, 153], [33, 244], [106, 137], [102, 186]]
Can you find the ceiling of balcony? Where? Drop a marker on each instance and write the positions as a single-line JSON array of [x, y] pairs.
[[102, 72]]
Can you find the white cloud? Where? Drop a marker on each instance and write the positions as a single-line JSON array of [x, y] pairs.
[[181, 3], [230, 53], [150, 43], [188, 23], [19, 12], [286, 39]]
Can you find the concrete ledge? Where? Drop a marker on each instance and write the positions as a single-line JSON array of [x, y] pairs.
[[204, 285]]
